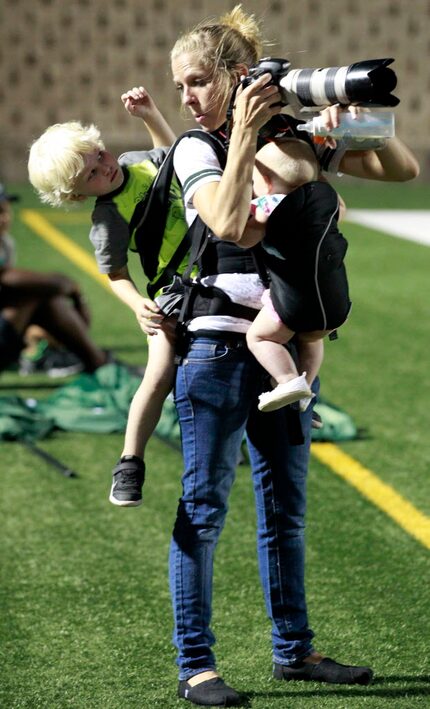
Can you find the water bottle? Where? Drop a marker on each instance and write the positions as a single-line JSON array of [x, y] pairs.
[[366, 125]]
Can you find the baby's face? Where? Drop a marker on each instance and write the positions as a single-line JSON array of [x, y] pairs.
[[101, 174], [259, 184]]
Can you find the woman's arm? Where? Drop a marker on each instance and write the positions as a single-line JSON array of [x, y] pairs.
[[393, 163], [224, 205]]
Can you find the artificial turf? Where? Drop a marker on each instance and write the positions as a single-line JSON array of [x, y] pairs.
[[85, 613]]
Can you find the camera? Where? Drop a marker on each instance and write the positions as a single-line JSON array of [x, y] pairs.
[[366, 83]]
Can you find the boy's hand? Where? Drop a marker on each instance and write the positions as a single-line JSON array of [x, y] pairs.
[[149, 316], [138, 102]]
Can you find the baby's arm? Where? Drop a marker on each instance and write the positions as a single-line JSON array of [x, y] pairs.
[[262, 207], [147, 312], [139, 103]]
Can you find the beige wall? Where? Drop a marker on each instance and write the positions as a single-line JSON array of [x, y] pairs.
[[64, 60]]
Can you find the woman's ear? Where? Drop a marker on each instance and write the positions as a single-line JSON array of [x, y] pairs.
[[240, 71]]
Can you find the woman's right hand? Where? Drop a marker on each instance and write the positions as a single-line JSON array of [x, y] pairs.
[[257, 103], [149, 316]]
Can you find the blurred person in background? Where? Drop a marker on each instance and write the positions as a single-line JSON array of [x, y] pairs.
[[41, 312]]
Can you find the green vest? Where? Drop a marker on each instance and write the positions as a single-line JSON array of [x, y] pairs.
[[155, 259]]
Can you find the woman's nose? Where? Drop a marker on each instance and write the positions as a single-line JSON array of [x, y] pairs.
[[187, 97]]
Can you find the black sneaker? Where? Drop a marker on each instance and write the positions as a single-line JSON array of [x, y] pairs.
[[128, 477], [327, 670], [51, 361], [213, 692]]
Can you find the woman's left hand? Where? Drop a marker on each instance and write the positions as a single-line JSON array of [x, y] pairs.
[[330, 115]]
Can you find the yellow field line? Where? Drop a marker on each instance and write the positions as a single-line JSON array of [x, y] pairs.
[[59, 241], [379, 493], [365, 481]]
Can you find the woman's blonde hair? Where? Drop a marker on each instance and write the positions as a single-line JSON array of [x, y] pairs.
[[56, 159], [221, 46]]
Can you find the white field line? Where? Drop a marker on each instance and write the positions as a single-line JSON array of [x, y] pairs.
[[411, 224]]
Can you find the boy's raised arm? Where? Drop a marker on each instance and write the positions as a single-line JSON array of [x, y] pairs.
[[137, 102]]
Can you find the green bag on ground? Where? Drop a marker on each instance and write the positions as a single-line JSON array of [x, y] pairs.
[[338, 425], [93, 403], [100, 402], [19, 421]]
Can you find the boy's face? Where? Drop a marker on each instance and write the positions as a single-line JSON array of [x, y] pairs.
[[5, 216], [101, 174]]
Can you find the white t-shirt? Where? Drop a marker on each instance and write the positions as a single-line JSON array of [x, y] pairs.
[[196, 164]]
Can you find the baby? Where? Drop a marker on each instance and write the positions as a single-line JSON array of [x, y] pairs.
[[303, 253]]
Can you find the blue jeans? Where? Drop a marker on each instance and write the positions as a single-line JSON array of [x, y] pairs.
[[216, 393]]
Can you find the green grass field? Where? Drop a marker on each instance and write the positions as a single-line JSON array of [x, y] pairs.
[[85, 616]]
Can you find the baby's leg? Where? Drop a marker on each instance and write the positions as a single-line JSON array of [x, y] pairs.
[[266, 339], [310, 356], [147, 404]]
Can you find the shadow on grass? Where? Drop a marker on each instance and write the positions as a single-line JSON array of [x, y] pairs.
[[378, 688]]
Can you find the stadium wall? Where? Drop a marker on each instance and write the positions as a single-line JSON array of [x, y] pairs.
[[61, 61]]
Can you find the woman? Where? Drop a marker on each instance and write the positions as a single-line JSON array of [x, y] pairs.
[[218, 381]]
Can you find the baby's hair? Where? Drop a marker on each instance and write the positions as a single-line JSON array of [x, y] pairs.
[[55, 160], [221, 45], [289, 163]]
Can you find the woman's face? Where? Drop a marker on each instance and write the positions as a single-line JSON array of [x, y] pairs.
[[200, 91]]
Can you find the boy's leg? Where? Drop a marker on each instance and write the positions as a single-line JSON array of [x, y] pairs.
[[147, 404], [144, 414]]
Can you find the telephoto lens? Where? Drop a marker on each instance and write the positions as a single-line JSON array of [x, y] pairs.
[[366, 83]]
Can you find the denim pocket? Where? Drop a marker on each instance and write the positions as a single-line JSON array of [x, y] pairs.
[[200, 352]]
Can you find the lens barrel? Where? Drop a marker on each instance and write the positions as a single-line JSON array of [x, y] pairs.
[[366, 83]]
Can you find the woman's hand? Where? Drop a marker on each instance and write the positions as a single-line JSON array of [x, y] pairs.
[[331, 116], [257, 103]]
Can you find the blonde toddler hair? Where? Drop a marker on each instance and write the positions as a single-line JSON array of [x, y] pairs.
[[55, 160]]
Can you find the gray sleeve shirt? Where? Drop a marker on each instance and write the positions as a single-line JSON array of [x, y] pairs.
[[110, 234]]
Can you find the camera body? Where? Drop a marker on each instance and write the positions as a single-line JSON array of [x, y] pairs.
[[366, 83]]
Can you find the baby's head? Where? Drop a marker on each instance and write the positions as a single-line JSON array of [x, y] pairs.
[[65, 164], [281, 167]]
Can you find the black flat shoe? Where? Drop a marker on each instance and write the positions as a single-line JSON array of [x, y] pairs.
[[213, 692], [325, 671]]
